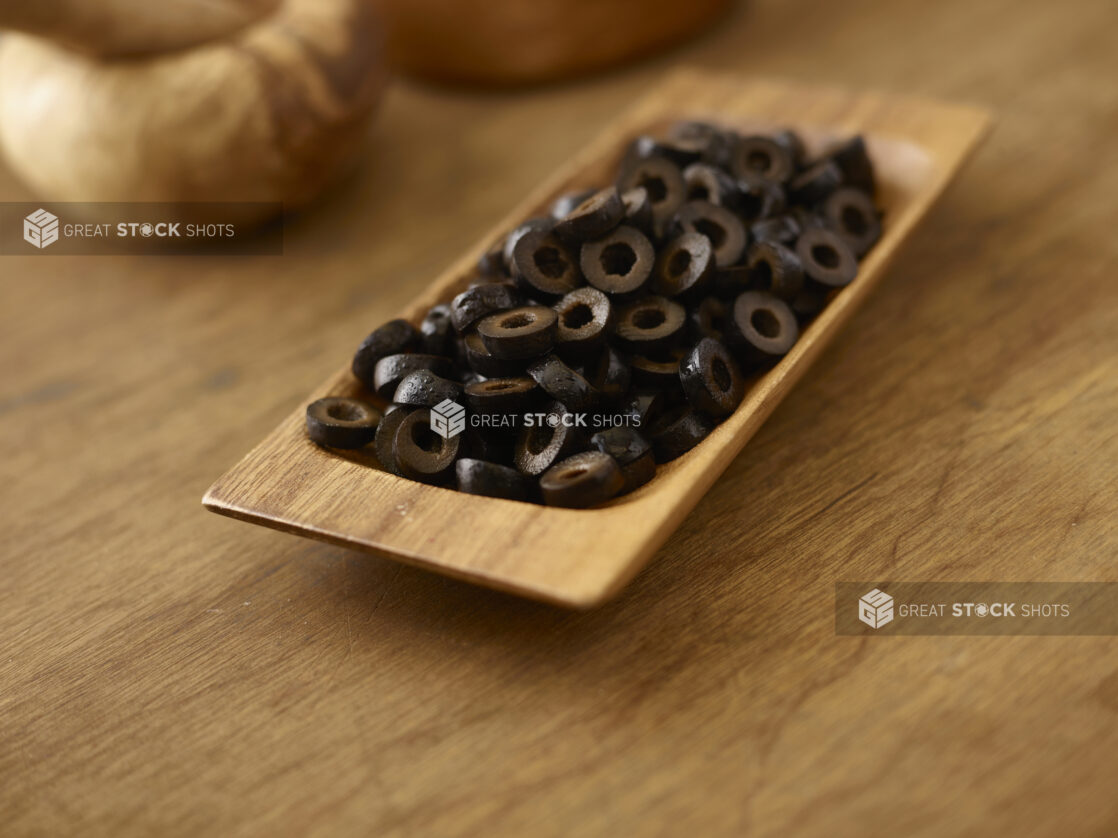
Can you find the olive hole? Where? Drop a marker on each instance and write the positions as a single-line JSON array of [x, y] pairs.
[[493, 386], [578, 316], [752, 206], [712, 230], [765, 322], [518, 321], [679, 262], [825, 255], [698, 192], [572, 473], [539, 437], [758, 160], [425, 438], [550, 262], [761, 275], [345, 412], [655, 187], [618, 258], [721, 373], [648, 318], [854, 221]]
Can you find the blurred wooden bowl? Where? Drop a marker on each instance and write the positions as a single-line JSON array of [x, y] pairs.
[[509, 42]]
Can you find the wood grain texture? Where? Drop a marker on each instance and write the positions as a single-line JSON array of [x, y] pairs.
[[165, 671], [581, 558]]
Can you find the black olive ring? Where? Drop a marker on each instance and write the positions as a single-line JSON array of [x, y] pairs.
[[523, 332], [338, 422], [585, 479]]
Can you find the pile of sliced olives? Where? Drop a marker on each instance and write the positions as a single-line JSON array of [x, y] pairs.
[[615, 332]]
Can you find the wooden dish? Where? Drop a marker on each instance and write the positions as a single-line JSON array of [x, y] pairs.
[[510, 42], [580, 558]]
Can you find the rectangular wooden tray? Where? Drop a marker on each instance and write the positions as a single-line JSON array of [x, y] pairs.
[[580, 558]]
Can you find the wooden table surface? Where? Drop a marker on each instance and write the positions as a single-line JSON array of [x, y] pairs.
[[164, 671]]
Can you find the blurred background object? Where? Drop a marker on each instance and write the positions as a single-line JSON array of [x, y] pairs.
[[508, 42], [253, 100], [268, 100], [131, 27]]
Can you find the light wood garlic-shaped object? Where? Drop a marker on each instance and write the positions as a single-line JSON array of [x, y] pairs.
[[186, 100]]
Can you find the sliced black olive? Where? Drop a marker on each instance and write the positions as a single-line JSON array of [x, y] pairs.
[[592, 218], [492, 262], [854, 162], [850, 213], [610, 375], [638, 210], [582, 480], [826, 257], [684, 266], [663, 181], [563, 384], [436, 332], [762, 327], [790, 141], [805, 218], [711, 379], [391, 370], [622, 443], [421, 453], [724, 229], [815, 183], [385, 442], [649, 323], [709, 183], [716, 143], [393, 338], [423, 388], [659, 370], [493, 443], [678, 431], [774, 268], [584, 318], [631, 451], [731, 281], [566, 202], [708, 318], [540, 223], [759, 198], [543, 443], [646, 405], [782, 229], [524, 332], [763, 157], [338, 422], [480, 301], [619, 263], [681, 151], [544, 266], [479, 477], [811, 300], [501, 395], [484, 362]]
